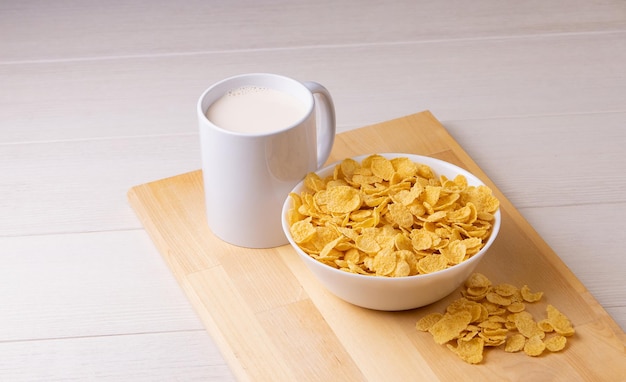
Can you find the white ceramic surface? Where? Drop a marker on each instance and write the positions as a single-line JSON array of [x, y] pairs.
[[399, 293], [247, 176]]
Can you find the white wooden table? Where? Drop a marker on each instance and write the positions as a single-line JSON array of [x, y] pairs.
[[96, 97]]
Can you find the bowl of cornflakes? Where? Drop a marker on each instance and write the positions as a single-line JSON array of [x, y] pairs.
[[391, 231]]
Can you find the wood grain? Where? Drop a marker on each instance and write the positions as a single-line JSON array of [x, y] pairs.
[[136, 357], [271, 319], [76, 286], [525, 77], [122, 29]]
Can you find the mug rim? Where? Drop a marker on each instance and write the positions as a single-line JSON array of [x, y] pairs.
[[203, 107]]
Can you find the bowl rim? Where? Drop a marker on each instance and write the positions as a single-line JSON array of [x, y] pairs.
[[414, 157]]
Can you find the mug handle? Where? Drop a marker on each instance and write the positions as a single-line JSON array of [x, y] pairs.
[[326, 129]]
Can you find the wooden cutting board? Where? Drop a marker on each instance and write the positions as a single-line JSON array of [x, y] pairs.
[[274, 322]]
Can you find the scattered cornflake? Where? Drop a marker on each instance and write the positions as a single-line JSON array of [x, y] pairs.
[[559, 321], [426, 322], [526, 325], [469, 351], [534, 346], [515, 343], [529, 296], [450, 326], [488, 316], [556, 343]]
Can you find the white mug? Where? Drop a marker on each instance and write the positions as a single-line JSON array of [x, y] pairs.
[[249, 168]]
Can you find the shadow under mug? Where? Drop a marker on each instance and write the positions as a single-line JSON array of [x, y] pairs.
[[248, 176]]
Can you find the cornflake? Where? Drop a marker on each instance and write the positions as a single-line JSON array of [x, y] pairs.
[[489, 316], [401, 217]]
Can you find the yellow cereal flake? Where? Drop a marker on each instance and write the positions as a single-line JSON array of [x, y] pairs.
[[400, 216], [378, 201], [492, 340], [472, 324], [545, 325], [313, 182], [470, 332], [422, 240], [534, 346], [343, 199], [559, 321], [431, 264], [505, 290], [404, 167], [515, 343], [426, 322], [454, 252], [556, 343], [385, 262], [302, 231], [529, 296], [470, 351], [527, 326], [516, 307], [495, 298], [450, 326], [367, 244], [382, 167], [477, 280]]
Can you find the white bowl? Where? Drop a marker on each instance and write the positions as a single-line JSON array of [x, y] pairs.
[[394, 293]]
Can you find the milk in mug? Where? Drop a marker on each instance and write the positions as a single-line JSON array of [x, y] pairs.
[[256, 110]]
